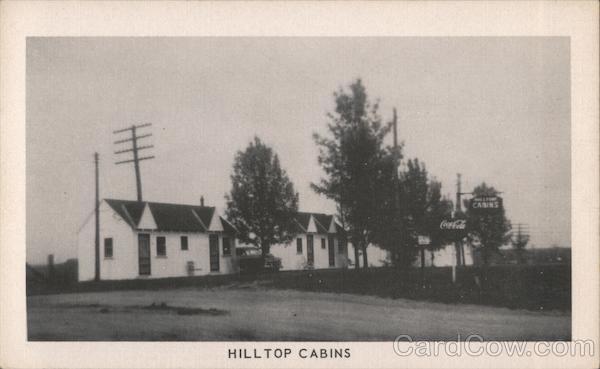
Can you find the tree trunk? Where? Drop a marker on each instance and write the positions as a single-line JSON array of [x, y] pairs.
[[422, 257], [432, 258], [356, 257], [394, 258], [365, 259], [484, 255], [264, 249]]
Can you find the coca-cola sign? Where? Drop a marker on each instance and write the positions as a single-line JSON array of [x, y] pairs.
[[453, 229], [460, 224]]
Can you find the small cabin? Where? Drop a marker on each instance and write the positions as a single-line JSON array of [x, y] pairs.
[[140, 239], [320, 243]]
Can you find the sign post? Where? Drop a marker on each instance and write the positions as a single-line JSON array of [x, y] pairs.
[[423, 242], [454, 273], [453, 229]]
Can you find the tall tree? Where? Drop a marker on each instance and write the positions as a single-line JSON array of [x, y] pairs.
[[262, 203], [439, 208], [490, 228], [352, 158], [414, 188], [393, 226], [425, 207]]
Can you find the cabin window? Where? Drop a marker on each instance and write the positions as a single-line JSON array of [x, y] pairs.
[[323, 244], [161, 246], [184, 242], [299, 245], [226, 246], [108, 247]]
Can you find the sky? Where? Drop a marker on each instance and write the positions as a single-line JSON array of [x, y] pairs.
[[493, 109]]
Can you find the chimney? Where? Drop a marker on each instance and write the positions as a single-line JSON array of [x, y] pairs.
[[201, 200]]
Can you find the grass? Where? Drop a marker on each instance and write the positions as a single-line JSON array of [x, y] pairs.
[[270, 314], [541, 287], [533, 287]]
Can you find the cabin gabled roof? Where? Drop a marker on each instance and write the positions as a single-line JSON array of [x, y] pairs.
[[302, 219], [192, 218], [130, 211], [169, 217], [322, 221], [228, 227], [181, 218]]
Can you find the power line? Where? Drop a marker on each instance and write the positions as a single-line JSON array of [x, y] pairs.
[[521, 238], [135, 150]]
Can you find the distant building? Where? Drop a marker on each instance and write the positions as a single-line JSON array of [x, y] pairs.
[[320, 243], [156, 240], [376, 256], [446, 256]]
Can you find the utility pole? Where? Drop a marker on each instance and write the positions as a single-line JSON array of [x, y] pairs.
[[522, 238], [458, 193], [395, 121], [458, 210], [522, 232], [397, 162], [396, 179], [97, 216], [135, 148]]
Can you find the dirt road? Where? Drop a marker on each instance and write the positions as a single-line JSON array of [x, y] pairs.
[[252, 313]]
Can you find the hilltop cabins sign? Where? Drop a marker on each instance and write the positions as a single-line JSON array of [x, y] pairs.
[[485, 204]]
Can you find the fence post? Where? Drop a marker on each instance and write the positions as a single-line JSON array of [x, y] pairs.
[[51, 268], [453, 274]]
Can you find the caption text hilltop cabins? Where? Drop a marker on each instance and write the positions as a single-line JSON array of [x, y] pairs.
[[159, 240]]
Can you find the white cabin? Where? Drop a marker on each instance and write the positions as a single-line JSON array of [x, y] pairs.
[[156, 240], [320, 243]]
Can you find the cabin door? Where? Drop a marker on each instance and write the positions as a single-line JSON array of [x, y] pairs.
[[331, 250], [144, 253], [213, 243], [310, 250]]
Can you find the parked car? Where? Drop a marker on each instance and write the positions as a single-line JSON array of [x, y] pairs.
[[250, 260]]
